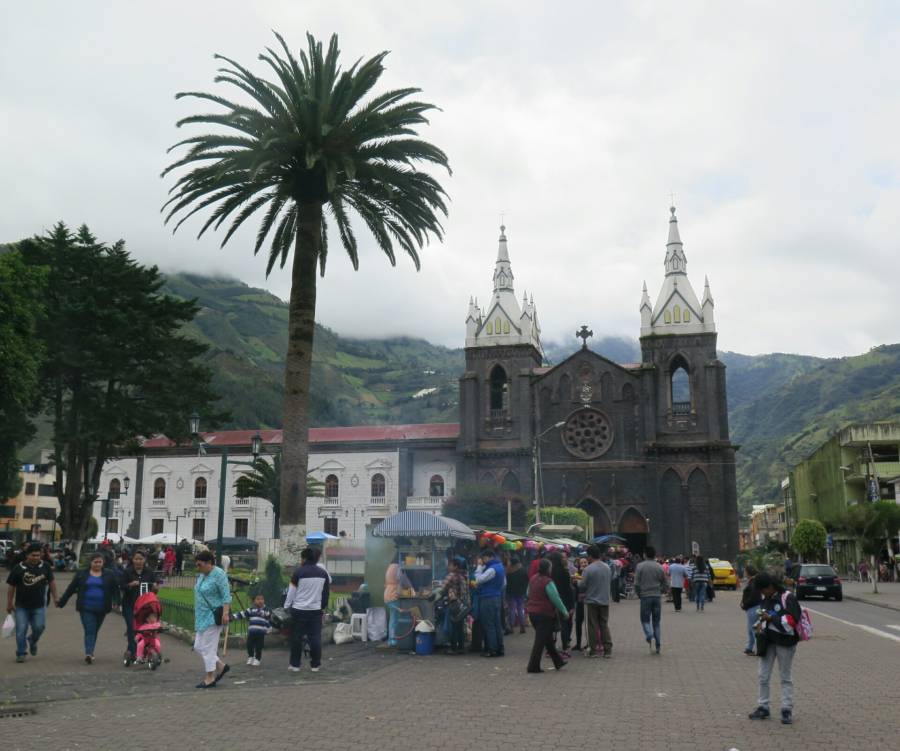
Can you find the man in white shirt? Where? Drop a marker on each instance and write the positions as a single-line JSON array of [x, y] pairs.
[[677, 575]]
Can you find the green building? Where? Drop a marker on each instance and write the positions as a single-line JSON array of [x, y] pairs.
[[858, 463]]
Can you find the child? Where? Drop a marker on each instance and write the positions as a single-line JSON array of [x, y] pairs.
[[147, 637], [260, 618]]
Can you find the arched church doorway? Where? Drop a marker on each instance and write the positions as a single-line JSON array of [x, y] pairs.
[[633, 527], [602, 523]]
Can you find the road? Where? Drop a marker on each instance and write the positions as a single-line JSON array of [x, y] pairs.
[[695, 696]]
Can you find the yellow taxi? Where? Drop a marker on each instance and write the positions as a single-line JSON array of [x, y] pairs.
[[724, 574]]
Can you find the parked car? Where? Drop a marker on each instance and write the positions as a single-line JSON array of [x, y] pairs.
[[724, 574], [817, 580]]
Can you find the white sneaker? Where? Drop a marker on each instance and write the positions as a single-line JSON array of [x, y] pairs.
[[314, 670], [292, 669], [249, 660], [255, 663]]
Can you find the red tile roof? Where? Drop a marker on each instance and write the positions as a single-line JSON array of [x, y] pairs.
[[448, 430]]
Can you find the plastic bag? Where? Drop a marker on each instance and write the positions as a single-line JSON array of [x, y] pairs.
[[342, 633], [376, 624], [9, 626]]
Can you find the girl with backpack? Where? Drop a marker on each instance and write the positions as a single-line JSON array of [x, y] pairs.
[[779, 629]]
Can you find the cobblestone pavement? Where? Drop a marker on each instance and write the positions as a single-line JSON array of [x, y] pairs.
[[695, 696]]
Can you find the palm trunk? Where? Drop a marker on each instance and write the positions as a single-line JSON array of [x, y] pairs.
[[301, 330]]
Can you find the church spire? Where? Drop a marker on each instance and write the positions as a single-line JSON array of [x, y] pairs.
[[676, 261], [503, 276]]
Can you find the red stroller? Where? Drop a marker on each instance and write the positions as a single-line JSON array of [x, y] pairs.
[[147, 627]]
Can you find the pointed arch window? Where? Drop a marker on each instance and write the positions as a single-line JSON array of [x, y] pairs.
[[499, 392], [687, 316], [677, 314], [667, 316], [680, 386]]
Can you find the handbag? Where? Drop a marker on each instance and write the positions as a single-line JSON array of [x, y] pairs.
[[217, 612]]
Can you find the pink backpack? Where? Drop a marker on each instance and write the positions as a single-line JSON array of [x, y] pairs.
[[804, 628]]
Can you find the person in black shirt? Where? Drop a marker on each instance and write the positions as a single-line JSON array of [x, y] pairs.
[[136, 573], [516, 592], [26, 597]]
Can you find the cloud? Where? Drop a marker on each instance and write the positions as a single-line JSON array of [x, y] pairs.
[[773, 124]]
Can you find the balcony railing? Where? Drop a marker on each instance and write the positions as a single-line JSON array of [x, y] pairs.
[[681, 408], [424, 501], [200, 501], [377, 500], [159, 501], [332, 501], [241, 501]]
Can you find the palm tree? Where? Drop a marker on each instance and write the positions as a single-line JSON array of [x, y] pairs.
[[305, 145], [264, 481]]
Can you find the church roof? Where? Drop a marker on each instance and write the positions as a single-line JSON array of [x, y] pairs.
[[361, 433]]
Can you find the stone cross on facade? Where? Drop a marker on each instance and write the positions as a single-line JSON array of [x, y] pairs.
[[584, 334]]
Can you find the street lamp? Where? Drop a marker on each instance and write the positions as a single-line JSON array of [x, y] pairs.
[[106, 502], [536, 460], [255, 449]]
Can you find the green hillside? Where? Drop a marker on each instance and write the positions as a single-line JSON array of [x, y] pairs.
[[782, 425], [353, 381]]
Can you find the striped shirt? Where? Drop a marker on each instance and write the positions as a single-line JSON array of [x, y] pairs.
[[700, 576], [259, 619]]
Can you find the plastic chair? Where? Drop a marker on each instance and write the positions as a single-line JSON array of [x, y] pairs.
[[359, 627]]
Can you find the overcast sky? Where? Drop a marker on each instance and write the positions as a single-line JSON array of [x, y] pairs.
[[776, 125]]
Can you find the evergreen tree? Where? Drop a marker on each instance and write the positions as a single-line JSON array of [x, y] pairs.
[[21, 353], [116, 366]]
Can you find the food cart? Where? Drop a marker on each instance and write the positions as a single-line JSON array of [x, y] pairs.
[[423, 543]]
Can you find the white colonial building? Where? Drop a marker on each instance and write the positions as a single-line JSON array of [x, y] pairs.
[[367, 472]]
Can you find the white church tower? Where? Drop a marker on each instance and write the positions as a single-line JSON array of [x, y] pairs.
[[677, 309], [503, 321]]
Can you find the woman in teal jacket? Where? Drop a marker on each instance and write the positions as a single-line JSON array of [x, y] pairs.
[[211, 594]]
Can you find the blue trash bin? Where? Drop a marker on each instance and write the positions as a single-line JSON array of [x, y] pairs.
[[425, 642]]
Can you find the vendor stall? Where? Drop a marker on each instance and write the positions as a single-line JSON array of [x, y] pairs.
[[422, 545]]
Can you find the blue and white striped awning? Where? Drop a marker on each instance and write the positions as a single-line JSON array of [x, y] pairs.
[[422, 524]]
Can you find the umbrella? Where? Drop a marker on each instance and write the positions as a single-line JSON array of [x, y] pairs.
[[320, 537], [609, 538], [164, 538]]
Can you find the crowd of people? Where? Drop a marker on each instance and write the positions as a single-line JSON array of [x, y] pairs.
[[481, 602]]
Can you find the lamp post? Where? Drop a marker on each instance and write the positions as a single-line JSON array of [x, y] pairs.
[[536, 460], [106, 502], [255, 449]]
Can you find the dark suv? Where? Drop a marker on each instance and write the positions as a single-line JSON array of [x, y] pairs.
[[816, 580]]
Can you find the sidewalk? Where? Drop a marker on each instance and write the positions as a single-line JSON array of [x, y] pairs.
[[888, 593]]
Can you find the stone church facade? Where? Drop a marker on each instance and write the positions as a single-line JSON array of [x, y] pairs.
[[643, 448]]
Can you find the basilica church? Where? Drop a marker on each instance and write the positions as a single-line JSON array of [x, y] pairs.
[[642, 447]]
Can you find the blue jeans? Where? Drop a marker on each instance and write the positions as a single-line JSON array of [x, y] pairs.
[[91, 620], [651, 610], [25, 617], [699, 595], [489, 613], [751, 635], [392, 622]]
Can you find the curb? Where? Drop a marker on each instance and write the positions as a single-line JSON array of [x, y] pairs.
[[869, 602]]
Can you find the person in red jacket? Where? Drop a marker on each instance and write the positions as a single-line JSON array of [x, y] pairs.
[[543, 607]]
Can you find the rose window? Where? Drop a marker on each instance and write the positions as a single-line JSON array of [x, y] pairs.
[[587, 434]]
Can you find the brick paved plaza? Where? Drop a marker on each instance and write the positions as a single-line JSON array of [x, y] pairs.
[[695, 696]]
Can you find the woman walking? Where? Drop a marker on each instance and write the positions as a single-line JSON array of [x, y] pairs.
[[94, 588], [750, 600], [779, 616], [212, 607], [699, 582], [137, 573], [544, 607], [559, 572]]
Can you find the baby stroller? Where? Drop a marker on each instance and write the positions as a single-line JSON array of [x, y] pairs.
[[147, 626]]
